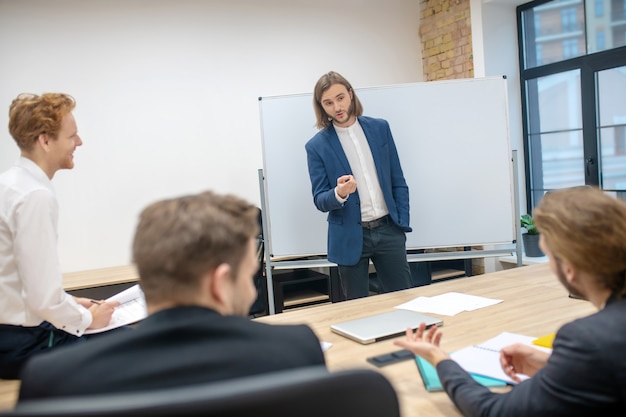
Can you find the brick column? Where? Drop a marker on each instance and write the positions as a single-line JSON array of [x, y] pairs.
[[446, 33]]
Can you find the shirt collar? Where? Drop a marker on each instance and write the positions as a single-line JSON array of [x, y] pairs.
[[30, 166]]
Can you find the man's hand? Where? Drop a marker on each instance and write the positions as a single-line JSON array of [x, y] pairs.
[[424, 343], [522, 359], [346, 185], [101, 312]]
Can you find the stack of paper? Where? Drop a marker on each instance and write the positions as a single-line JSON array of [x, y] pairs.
[[448, 304]]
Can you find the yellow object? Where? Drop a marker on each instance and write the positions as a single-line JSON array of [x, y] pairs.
[[545, 341]]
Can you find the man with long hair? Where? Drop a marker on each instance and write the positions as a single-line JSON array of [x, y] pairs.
[[356, 177]]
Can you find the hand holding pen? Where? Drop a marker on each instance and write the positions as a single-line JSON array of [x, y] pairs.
[[101, 312]]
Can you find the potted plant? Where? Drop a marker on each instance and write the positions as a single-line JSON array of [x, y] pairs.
[[531, 237]]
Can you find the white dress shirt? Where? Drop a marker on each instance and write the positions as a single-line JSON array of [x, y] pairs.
[[359, 154], [31, 285]]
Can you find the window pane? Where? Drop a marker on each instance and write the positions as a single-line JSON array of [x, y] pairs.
[[561, 160], [613, 154], [612, 127], [556, 30], [558, 102], [606, 24], [611, 94]]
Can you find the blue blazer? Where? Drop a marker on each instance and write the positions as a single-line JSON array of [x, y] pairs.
[[327, 162]]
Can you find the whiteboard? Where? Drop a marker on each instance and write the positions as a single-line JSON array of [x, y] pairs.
[[453, 141]]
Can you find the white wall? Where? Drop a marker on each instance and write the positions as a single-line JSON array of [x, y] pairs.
[[495, 40], [494, 35], [167, 92]]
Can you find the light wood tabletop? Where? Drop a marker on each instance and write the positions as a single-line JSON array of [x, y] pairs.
[[8, 394], [534, 304], [99, 277]]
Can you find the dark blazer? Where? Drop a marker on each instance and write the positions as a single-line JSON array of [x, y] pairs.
[[585, 375], [175, 347], [327, 161]]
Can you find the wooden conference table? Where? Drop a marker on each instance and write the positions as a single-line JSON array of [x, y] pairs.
[[534, 304]]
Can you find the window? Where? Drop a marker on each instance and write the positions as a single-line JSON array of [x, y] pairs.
[[612, 127], [568, 19], [570, 48], [558, 29], [599, 8], [538, 23], [574, 119], [600, 40]]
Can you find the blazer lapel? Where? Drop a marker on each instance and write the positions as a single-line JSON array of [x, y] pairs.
[[335, 145], [376, 154]]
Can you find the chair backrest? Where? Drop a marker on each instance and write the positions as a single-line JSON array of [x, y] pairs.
[[305, 392]]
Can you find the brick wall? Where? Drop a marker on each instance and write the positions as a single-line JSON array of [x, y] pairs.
[[446, 33]]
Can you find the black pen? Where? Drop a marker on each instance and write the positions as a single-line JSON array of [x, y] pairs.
[[96, 302]]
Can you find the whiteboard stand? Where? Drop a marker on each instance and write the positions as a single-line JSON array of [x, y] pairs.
[[268, 262], [518, 228]]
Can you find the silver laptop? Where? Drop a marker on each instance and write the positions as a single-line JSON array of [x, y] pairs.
[[383, 326]]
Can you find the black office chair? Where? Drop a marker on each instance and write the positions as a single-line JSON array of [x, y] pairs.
[[305, 392]]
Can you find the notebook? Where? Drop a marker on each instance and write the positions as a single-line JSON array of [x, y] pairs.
[[383, 326], [484, 359], [433, 384]]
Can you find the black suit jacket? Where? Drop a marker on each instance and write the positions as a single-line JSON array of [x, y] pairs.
[[585, 375], [174, 347]]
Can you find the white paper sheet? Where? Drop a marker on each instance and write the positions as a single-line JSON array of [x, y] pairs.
[[448, 304], [132, 309]]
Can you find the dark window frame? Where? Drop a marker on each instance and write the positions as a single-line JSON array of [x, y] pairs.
[[588, 65]]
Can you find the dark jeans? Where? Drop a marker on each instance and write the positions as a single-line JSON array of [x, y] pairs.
[[18, 344], [386, 247]]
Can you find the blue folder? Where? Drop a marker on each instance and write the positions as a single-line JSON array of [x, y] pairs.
[[433, 384]]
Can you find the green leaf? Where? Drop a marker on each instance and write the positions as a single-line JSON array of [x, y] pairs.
[[527, 222]]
